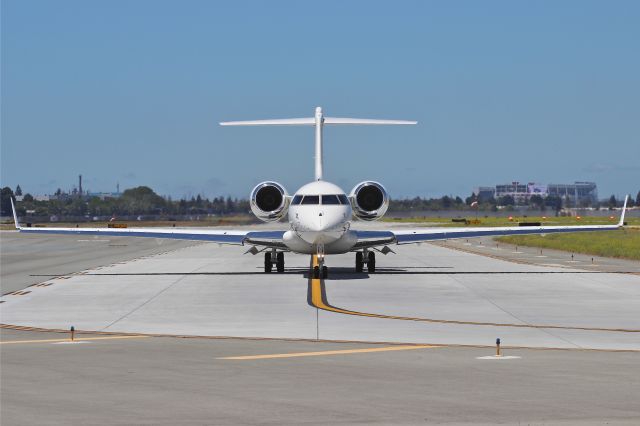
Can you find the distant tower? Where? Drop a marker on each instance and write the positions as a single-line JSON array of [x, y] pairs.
[[80, 185], [118, 188]]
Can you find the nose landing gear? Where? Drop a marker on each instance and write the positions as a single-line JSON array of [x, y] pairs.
[[366, 257], [321, 270], [274, 258]]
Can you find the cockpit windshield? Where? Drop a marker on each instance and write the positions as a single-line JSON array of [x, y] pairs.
[[330, 199], [311, 199], [327, 199]]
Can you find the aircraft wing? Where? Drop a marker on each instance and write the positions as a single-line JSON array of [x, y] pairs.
[[235, 237], [410, 236]]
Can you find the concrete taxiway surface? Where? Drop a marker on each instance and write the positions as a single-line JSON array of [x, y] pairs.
[[168, 381], [423, 294], [25, 258], [138, 285]]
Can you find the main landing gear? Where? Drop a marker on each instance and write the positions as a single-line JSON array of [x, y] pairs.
[[366, 257], [274, 258]]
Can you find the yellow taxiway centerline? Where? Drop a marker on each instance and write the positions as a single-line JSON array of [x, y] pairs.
[[338, 352], [81, 339], [318, 300]]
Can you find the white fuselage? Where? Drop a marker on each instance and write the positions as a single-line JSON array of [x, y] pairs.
[[320, 218]]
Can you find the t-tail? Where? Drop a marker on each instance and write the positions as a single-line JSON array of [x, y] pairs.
[[318, 120]]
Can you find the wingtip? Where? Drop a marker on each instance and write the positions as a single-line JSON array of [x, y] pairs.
[[15, 215], [624, 210]]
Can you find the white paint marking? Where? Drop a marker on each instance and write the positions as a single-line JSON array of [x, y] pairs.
[[75, 342], [498, 357]]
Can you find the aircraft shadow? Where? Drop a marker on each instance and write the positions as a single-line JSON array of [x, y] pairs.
[[342, 273]]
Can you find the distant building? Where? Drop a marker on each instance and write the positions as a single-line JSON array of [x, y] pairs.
[[573, 194], [578, 193], [485, 193]]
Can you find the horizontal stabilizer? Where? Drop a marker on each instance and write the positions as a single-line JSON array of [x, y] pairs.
[[340, 120], [318, 121], [310, 121]]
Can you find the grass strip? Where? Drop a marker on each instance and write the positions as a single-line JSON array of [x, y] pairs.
[[623, 243]]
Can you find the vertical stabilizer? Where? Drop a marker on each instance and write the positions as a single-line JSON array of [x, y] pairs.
[[319, 123]]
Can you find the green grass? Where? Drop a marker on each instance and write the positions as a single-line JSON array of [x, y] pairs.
[[231, 220], [624, 243], [504, 221]]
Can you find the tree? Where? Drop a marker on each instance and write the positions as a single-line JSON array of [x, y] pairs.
[[6, 195], [554, 202], [537, 201], [638, 199], [471, 199], [613, 202], [28, 198], [18, 191], [140, 200], [507, 200], [446, 202]]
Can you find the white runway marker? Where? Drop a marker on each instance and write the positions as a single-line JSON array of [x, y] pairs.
[[498, 357]]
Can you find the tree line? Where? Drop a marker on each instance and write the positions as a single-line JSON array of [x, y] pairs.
[[142, 200]]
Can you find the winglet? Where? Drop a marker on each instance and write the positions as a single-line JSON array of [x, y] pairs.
[[15, 215], [624, 210]]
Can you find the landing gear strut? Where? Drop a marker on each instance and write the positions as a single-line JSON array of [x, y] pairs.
[[274, 258], [368, 257]]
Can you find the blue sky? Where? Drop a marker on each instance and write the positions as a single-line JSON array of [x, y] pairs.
[[131, 92]]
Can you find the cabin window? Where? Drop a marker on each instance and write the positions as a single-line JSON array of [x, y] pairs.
[[330, 199], [311, 199]]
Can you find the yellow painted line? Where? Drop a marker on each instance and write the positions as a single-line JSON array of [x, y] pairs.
[[14, 342], [320, 302], [325, 353]]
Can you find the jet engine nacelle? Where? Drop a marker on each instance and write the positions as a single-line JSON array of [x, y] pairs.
[[269, 201], [369, 200]]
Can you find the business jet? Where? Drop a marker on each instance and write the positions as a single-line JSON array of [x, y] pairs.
[[320, 215]]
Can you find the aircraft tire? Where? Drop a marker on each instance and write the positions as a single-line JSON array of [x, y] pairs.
[[359, 262], [371, 264], [267, 263], [280, 262]]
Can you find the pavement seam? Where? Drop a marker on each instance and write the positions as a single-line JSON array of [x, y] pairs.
[[310, 340]]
